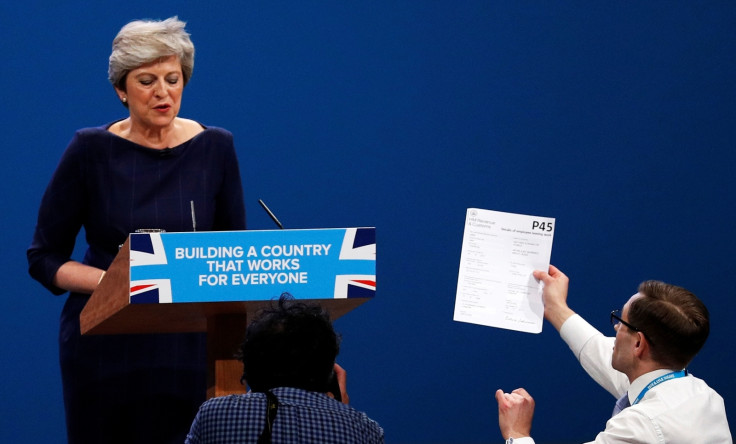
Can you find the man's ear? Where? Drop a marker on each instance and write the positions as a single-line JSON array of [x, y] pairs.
[[641, 345]]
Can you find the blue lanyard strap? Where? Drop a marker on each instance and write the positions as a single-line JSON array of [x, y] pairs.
[[656, 382]]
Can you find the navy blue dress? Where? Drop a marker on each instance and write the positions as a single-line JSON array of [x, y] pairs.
[[131, 388]]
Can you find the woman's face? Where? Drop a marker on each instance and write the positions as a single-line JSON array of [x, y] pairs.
[[153, 92]]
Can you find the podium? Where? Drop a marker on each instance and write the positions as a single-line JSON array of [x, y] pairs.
[[212, 281]]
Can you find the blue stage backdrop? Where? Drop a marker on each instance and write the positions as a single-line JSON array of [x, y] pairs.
[[616, 118]]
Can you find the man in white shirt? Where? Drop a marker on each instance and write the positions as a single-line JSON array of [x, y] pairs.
[[658, 332]]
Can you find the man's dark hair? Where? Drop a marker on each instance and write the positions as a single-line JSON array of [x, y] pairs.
[[673, 319], [291, 344]]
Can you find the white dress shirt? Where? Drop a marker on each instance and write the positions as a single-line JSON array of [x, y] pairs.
[[682, 410]]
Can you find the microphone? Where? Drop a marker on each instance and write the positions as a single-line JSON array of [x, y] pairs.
[[194, 218], [273, 218], [166, 152]]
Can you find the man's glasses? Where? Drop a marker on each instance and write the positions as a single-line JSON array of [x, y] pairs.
[[616, 319]]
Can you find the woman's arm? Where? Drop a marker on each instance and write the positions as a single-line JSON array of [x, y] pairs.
[[78, 278]]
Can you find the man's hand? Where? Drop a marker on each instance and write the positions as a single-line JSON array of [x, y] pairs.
[[556, 310], [515, 413], [342, 382]]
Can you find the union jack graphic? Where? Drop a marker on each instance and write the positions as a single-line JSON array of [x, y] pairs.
[[150, 291], [358, 244], [148, 249]]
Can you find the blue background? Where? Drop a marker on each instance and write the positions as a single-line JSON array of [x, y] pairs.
[[616, 118]]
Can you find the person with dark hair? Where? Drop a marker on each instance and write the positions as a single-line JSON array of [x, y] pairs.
[[288, 359], [658, 332]]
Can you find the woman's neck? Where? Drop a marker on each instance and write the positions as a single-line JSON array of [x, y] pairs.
[[151, 137]]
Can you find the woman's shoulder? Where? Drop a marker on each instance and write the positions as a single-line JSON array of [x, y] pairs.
[[90, 136], [95, 131], [193, 130], [215, 136], [216, 131]]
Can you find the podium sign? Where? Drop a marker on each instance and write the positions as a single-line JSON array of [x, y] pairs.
[[211, 281], [173, 282], [252, 265]]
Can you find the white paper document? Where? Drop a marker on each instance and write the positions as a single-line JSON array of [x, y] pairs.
[[495, 285]]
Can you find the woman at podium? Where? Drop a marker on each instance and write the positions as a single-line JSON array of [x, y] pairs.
[[149, 170]]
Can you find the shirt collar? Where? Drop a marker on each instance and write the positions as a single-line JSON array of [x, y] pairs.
[[638, 384]]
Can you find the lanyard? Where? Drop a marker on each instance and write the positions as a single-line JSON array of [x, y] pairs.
[[656, 382]]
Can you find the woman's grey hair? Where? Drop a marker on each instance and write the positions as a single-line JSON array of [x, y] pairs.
[[144, 41]]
